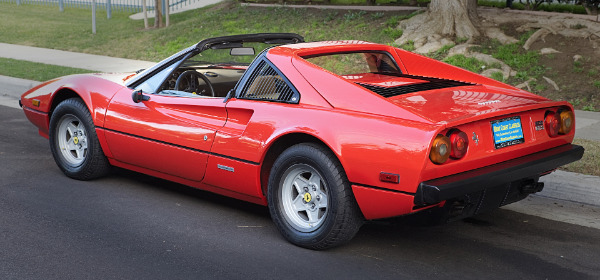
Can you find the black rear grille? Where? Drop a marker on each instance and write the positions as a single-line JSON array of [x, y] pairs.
[[429, 84]]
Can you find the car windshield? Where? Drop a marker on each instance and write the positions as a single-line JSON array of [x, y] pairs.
[[223, 57], [212, 72], [209, 69]]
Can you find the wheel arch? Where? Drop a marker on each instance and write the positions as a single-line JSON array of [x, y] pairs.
[[281, 144], [62, 95]]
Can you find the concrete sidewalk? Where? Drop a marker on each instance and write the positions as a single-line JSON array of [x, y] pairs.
[[72, 59], [565, 186]]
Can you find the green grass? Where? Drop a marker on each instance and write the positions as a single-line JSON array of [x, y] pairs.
[[35, 71], [409, 46], [441, 53], [589, 107], [121, 37], [468, 63], [590, 163], [526, 63], [498, 76], [577, 66], [560, 8]]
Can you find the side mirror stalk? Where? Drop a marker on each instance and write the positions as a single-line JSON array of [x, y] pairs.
[[138, 96]]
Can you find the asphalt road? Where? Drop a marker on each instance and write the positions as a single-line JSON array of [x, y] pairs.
[[132, 226]]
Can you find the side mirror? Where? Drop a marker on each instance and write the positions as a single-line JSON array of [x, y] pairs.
[[138, 96]]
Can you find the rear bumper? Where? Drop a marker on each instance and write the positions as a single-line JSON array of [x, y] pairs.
[[526, 168]]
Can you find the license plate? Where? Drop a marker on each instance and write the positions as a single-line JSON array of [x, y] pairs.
[[507, 132]]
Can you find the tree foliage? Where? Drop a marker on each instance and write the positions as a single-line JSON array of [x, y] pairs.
[[591, 6]]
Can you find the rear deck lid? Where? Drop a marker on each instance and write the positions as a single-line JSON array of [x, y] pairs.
[[464, 101]]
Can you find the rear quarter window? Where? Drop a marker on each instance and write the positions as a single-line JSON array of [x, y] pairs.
[[268, 84], [346, 64]]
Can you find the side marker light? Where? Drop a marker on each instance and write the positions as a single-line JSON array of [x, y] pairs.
[[389, 177]]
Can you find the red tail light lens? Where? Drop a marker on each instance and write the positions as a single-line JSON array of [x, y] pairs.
[[440, 149], [566, 121], [552, 124], [459, 142]]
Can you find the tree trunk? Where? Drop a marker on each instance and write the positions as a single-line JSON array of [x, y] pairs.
[[455, 17], [158, 14], [593, 9], [472, 11], [444, 21], [167, 13], [145, 11]]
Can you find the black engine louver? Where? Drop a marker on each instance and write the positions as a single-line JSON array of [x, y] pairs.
[[431, 83]]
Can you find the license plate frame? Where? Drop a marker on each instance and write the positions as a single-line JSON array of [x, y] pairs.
[[507, 132]]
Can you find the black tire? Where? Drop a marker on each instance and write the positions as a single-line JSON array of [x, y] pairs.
[[74, 143], [312, 222]]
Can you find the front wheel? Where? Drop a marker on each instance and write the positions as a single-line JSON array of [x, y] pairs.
[[74, 143], [310, 199]]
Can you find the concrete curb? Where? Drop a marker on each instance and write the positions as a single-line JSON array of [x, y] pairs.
[[11, 90], [14, 87], [588, 125], [571, 186]]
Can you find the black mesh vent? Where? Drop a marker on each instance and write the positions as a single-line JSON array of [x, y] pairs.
[[266, 84], [429, 84]]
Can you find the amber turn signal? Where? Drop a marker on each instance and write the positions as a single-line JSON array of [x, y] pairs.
[[566, 122], [440, 149]]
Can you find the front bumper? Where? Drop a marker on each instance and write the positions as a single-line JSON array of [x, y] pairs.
[[519, 171]]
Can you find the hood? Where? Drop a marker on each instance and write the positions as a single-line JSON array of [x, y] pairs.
[[462, 102]]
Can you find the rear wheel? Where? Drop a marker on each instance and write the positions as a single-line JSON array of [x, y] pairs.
[[74, 143], [310, 199]]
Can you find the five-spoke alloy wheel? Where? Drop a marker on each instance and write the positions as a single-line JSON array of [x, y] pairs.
[[72, 140], [304, 198], [310, 199]]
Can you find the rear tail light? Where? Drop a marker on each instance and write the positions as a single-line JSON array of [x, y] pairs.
[[560, 122], [459, 142], [551, 124], [440, 149]]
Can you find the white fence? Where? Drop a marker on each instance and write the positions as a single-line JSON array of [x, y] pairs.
[[133, 6]]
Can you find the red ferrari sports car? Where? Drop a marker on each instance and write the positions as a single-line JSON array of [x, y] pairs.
[[326, 134]]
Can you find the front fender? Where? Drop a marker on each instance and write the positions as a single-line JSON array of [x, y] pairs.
[[96, 92]]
